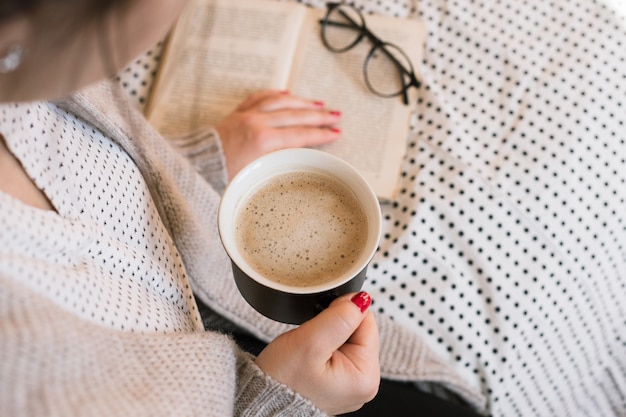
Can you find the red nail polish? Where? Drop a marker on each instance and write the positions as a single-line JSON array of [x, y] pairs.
[[335, 113], [318, 103], [362, 300], [335, 130]]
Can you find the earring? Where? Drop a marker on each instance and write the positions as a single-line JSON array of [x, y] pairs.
[[12, 59]]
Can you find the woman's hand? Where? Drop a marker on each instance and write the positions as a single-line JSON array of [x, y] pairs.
[[270, 120], [331, 359]]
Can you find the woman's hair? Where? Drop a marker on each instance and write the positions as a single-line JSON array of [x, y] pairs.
[[59, 20], [13, 8], [58, 23], [10, 9]]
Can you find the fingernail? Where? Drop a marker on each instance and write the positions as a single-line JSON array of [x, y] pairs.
[[335, 130], [318, 103], [362, 300], [285, 92], [335, 112]]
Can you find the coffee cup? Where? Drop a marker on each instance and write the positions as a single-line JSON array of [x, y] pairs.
[[300, 227]]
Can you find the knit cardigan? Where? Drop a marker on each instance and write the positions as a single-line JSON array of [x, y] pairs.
[[56, 364]]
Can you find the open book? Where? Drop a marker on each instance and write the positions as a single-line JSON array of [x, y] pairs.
[[222, 50]]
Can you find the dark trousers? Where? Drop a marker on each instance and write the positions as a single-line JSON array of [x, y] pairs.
[[394, 399]]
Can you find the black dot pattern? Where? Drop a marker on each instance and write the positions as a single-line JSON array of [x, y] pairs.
[[105, 255], [137, 77], [505, 248]]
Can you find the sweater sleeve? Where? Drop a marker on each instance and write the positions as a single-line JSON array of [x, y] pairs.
[[204, 150], [55, 364], [260, 395]]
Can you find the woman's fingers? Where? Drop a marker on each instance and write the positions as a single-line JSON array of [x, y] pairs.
[[332, 359], [340, 323], [270, 120], [300, 117], [255, 98], [298, 137], [272, 100]]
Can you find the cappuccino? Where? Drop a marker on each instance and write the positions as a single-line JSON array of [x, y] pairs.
[[301, 229]]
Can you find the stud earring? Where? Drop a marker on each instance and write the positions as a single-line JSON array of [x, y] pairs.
[[12, 59]]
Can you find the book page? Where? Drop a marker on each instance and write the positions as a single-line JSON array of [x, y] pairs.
[[374, 129], [219, 53]]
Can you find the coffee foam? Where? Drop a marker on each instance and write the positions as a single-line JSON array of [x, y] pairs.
[[301, 229]]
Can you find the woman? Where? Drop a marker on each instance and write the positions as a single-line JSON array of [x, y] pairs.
[[105, 231]]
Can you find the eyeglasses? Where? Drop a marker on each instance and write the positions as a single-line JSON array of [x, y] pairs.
[[387, 70]]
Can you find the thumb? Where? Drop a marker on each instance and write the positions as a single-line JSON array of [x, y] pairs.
[[338, 322]]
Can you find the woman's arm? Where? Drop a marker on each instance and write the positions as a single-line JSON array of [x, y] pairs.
[[266, 121]]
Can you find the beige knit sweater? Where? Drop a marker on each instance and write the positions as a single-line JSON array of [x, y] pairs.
[[53, 363]]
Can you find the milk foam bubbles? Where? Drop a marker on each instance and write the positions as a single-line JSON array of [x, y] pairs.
[[301, 229]]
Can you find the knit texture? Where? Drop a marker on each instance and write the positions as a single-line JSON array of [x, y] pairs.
[[57, 365]]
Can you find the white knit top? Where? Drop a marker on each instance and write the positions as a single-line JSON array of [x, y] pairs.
[[118, 265]]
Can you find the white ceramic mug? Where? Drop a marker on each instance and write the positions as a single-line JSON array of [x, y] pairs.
[[278, 301]]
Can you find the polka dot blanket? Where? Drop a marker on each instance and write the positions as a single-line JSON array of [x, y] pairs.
[[505, 248]]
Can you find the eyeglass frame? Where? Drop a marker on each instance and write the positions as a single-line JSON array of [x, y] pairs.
[[378, 44]]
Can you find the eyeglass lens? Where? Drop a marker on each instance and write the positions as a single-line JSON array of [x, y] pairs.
[[383, 70], [343, 28]]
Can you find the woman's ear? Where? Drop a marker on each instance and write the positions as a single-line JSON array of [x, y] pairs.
[[11, 59], [14, 36]]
